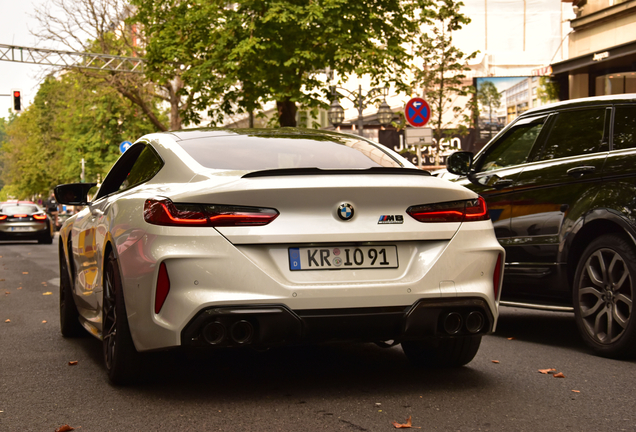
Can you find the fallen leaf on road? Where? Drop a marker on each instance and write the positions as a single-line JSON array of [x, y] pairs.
[[25, 272], [64, 428], [47, 293], [19, 287], [576, 391], [43, 321], [511, 338], [559, 375], [495, 361], [1, 280], [7, 321], [405, 425], [43, 283], [72, 363], [7, 292], [547, 371]]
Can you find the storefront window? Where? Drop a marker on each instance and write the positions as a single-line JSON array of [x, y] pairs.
[[617, 83]]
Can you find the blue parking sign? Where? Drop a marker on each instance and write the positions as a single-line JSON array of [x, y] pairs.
[[124, 146]]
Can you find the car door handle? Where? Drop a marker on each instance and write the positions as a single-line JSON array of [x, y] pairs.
[[502, 183], [581, 171]]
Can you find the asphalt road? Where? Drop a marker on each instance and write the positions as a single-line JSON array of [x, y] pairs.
[[328, 387]]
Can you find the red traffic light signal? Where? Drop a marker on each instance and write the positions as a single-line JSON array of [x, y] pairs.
[[17, 103]]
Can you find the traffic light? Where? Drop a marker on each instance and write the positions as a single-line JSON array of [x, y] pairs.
[[17, 103]]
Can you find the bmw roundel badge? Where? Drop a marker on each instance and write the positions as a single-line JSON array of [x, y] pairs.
[[345, 211]]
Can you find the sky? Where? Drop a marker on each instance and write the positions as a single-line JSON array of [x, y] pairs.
[[15, 22], [539, 46]]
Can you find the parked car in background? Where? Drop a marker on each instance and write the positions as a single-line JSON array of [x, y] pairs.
[[25, 221], [210, 239], [560, 183]]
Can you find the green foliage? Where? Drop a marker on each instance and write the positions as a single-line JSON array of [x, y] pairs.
[[236, 57], [489, 96], [442, 74], [71, 118], [548, 90]]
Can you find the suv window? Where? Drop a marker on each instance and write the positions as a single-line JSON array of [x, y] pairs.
[[514, 147], [625, 127], [575, 133]]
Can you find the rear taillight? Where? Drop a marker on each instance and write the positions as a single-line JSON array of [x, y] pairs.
[[163, 287], [454, 211], [19, 215], [3, 217], [496, 278], [165, 212], [39, 217]]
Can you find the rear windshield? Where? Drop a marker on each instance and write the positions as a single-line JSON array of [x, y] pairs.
[[19, 209], [252, 153]]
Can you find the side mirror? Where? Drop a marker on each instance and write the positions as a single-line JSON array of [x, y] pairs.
[[73, 193], [459, 163]]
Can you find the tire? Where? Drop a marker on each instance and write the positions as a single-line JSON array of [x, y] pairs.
[[442, 353], [45, 239], [603, 296], [69, 316], [120, 356]]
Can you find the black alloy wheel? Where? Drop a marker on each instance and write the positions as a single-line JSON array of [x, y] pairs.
[[604, 294], [69, 316], [120, 356]]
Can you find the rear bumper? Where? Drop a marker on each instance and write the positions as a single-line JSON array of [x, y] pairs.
[[36, 231], [272, 325]]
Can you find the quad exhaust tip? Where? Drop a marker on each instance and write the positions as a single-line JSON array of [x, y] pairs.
[[242, 332], [214, 333], [475, 322], [453, 322]]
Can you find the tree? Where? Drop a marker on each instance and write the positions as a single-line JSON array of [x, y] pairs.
[[489, 97], [99, 26], [442, 73], [239, 56], [548, 90], [71, 118]]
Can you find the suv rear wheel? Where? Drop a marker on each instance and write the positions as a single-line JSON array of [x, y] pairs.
[[603, 296]]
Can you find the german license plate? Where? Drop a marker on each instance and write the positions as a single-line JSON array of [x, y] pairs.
[[20, 229], [343, 257]]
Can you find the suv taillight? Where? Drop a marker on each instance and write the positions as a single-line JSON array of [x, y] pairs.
[[454, 211], [165, 212]]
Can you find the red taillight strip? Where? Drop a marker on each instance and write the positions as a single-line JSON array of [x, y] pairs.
[[3, 217], [163, 287], [454, 211], [19, 215], [165, 212], [477, 212], [39, 217], [180, 220]]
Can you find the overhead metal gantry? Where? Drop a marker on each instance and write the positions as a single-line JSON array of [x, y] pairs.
[[71, 59]]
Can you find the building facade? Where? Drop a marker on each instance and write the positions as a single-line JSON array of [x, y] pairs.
[[602, 50]]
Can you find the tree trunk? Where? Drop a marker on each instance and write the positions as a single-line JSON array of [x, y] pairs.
[[286, 113]]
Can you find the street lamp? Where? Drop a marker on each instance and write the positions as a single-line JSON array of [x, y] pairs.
[[360, 101], [335, 114]]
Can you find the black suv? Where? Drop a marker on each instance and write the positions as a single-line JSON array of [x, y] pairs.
[[560, 183]]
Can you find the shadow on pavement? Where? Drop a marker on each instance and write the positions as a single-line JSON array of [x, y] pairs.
[[542, 327]]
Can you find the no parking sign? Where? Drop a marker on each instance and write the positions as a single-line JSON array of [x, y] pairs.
[[417, 112]]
